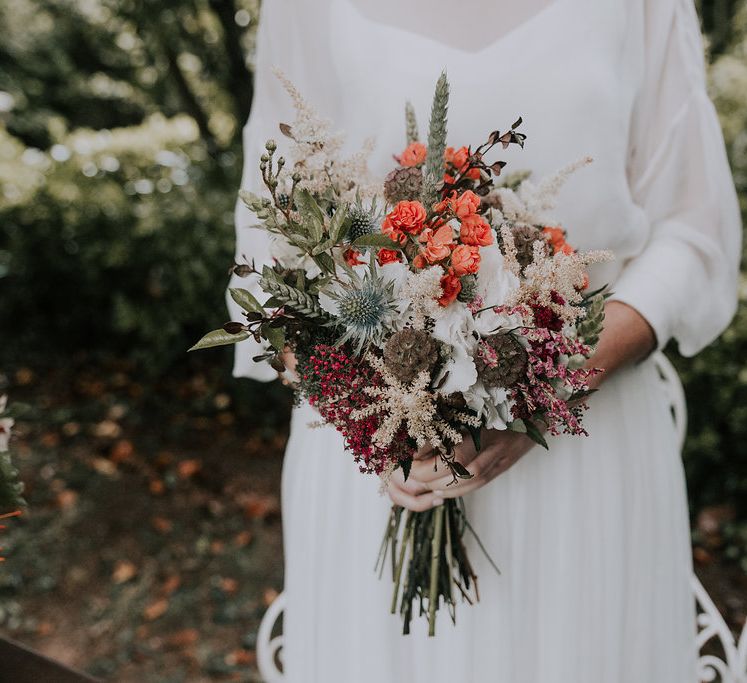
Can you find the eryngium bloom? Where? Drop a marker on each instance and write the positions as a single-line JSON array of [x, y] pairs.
[[363, 307]]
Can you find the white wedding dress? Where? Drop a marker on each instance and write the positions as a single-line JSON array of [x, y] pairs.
[[592, 538]]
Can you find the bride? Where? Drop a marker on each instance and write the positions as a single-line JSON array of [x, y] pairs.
[[592, 538]]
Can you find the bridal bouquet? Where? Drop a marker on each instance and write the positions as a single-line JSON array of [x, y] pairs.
[[420, 310]]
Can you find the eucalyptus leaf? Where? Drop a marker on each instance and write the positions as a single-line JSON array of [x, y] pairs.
[[535, 434], [218, 338], [246, 300], [337, 224], [376, 240], [274, 335], [324, 246]]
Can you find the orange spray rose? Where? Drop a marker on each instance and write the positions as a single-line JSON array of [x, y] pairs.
[[465, 259], [476, 231], [388, 256], [438, 244], [406, 218], [451, 286], [414, 154]]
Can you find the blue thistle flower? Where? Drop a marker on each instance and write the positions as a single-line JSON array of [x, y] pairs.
[[364, 308]]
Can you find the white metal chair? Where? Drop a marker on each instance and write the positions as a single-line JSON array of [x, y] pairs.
[[711, 624]]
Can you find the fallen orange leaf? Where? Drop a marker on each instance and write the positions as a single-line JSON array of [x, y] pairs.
[[156, 609]]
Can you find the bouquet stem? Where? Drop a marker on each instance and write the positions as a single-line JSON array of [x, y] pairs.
[[436, 552], [429, 559]]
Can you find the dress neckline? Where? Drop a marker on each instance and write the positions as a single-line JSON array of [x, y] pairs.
[[511, 35]]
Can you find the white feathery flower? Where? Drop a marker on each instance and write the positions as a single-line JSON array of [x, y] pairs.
[[531, 202], [423, 289], [317, 153]]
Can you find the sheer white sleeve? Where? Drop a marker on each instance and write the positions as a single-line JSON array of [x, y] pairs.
[[270, 106], [684, 281]]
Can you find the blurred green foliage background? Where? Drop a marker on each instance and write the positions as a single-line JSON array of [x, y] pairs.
[[120, 157]]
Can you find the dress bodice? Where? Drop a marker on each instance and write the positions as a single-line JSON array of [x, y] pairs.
[[621, 81]]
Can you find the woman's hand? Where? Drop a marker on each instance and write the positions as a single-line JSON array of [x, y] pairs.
[[430, 481], [289, 376], [627, 338]]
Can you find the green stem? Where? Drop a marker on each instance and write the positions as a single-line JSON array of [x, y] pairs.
[[435, 557], [401, 560]]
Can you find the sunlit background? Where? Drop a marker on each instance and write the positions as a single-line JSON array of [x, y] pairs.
[[151, 545]]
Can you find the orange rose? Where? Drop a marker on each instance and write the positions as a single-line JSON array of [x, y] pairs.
[[414, 154], [406, 218], [459, 159], [456, 157], [466, 204], [352, 257], [556, 238], [438, 244], [465, 259], [450, 286], [388, 256], [461, 205], [475, 230], [419, 261]]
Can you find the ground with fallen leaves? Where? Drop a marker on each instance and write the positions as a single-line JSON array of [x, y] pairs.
[[152, 544]]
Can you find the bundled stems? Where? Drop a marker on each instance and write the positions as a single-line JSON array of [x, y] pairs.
[[438, 528], [429, 559]]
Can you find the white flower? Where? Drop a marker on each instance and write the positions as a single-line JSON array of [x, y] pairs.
[[455, 328], [495, 283], [491, 404], [422, 290]]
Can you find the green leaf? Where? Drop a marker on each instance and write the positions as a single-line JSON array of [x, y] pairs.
[[476, 434], [406, 467], [518, 426], [325, 262], [218, 338], [274, 335], [376, 240], [246, 300], [11, 488], [535, 434], [460, 470], [338, 223], [313, 216], [324, 246]]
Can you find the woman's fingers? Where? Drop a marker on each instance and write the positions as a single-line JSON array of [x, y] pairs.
[[425, 471], [420, 503], [424, 452], [412, 486]]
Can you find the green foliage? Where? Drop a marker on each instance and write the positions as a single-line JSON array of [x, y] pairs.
[[116, 248], [11, 489], [716, 380]]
